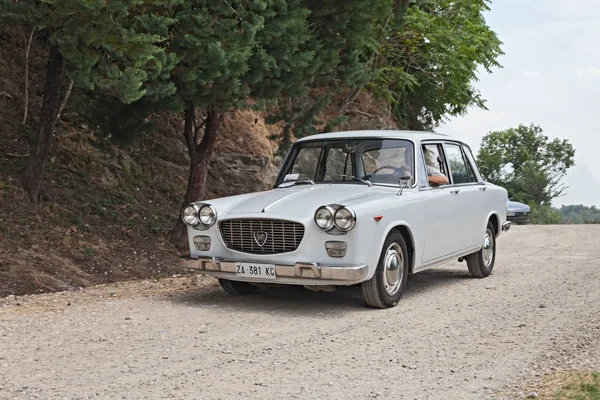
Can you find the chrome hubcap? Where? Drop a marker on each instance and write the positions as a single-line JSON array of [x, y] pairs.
[[488, 248], [393, 269]]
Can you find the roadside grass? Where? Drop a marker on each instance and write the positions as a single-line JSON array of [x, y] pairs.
[[571, 386]]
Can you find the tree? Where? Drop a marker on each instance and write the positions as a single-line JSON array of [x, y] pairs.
[[233, 55], [428, 59], [342, 34], [580, 214], [526, 162], [105, 47]]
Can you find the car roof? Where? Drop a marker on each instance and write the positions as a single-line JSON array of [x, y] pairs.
[[387, 134]]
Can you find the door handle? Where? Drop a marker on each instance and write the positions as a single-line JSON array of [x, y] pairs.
[[483, 188], [454, 191]]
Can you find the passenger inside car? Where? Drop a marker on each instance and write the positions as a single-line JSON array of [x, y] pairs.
[[434, 175]]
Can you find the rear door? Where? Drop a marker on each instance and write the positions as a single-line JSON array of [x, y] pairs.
[[469, 211]]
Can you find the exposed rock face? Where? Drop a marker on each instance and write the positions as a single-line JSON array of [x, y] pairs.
[[244, 160], [171, 149], [237, 173]]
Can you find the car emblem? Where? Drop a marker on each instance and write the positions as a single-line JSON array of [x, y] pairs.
[[260, 238]]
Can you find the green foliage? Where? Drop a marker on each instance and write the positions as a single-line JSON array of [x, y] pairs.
[[231, 51], [526, 162], [230, 55], [578, 386], [343, 33], [428, 60], [113, 49], [544, 214], [580, 214]]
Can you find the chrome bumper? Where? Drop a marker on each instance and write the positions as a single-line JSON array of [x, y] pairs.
[[506, 226], [300, 272]]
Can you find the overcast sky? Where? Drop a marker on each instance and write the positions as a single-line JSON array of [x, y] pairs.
[[550, 77]]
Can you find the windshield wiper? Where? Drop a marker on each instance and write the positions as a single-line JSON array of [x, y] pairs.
[[365, 181], [289, 183]]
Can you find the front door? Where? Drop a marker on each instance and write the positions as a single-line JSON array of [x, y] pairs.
[[439, 206]]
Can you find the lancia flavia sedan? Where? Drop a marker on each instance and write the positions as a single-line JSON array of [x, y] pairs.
[[361, 208]]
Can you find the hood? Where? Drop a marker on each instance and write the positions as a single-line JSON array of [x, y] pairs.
[[301, 198]]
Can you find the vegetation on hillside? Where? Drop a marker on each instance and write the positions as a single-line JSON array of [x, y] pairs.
[[579, 214], [92, 94]]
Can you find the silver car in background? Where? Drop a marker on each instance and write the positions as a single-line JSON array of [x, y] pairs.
[[518, 213]]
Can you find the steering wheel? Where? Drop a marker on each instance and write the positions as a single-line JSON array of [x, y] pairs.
[[385, 167]]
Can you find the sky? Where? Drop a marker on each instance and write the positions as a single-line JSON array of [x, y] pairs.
[[551, 78]]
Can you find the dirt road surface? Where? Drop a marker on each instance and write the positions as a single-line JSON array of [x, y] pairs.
[[451, 337]]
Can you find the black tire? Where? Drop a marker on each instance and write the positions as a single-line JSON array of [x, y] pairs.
[[237, 288], [377, 292], [480, 264]]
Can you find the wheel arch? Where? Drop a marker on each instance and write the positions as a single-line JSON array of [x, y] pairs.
[[495, 220], [407, 234]]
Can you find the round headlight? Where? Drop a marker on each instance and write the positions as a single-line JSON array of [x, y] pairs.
[[324, 217], [345, 219], [208, 215], [189, 215]]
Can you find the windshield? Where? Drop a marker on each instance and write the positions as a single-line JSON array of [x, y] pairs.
[[352, 161]]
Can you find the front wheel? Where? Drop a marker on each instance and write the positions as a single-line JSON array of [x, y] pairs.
[[237, 288], [481, 262], [387, 285]]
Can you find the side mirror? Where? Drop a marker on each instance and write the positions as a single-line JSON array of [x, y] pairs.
[[403, 182]]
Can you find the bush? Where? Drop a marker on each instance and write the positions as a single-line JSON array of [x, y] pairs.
[[544, 214]]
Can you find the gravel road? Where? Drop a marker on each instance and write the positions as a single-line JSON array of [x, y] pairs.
[[451, 336]]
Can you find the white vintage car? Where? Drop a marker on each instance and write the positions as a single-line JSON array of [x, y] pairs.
[[349, 208]]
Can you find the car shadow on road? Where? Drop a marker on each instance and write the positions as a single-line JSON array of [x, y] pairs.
[[301, 301]]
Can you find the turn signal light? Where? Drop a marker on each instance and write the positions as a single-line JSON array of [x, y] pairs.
[[336, 249], [202, 243]]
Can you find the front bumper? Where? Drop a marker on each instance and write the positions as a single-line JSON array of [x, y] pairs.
[[301, 273], [506, 226], [518, 217]]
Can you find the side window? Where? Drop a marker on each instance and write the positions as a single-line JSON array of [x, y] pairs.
[[458, 166], [337, 163], [471, 163], [433, 160], [470, 172]]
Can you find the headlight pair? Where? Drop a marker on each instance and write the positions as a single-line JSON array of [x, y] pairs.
[[328, 217], [194, 215]]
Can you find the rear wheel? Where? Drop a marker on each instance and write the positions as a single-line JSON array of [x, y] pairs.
[[237, 288], [481, 262], [387, 285]]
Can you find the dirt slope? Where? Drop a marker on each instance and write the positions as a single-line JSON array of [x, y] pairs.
[[451, 337], [113, 206]]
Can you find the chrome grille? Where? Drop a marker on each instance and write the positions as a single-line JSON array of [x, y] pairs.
[[281, 236]]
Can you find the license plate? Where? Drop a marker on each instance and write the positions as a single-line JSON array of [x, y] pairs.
[[249, 270], [510, 214]]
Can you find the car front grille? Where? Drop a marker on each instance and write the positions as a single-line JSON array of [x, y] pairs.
[[261, 236]]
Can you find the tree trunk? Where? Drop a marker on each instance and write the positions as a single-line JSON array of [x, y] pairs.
[[26, 96], [200, 160], [33, 178]]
